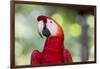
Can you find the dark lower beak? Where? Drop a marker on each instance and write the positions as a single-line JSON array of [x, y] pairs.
[[46, 31]]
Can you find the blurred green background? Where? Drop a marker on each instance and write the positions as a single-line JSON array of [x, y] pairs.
[[78, 32]]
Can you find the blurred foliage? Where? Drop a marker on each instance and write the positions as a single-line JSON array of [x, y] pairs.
[[27, 38]]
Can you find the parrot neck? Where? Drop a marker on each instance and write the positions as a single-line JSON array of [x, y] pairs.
[[53, 50], [54, 42]]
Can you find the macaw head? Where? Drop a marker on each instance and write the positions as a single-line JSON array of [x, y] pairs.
[[48, 27]]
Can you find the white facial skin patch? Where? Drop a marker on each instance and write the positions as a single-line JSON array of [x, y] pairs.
[[52, 27], [40, 26]]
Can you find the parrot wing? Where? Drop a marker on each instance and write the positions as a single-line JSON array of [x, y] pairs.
[[67, 56], [35, 57]]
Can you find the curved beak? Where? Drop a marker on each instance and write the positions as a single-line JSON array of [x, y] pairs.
[[45, 30]]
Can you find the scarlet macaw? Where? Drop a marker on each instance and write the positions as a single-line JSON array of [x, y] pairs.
[[53, 51]]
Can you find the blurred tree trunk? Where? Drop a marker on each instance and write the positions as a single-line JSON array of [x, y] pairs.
[[84, 38]]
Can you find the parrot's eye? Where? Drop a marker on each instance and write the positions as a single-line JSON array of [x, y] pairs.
[[52, 27], [50, 21]]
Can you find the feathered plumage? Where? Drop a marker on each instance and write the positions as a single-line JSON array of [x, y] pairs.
[[53, 51]]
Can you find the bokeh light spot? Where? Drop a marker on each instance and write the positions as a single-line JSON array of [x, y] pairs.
[[90, 21], [57, 17], [75, 30]]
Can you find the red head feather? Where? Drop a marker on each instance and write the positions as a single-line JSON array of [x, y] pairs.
[[44, 18]]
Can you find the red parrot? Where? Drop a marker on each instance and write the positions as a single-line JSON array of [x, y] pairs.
[[53, 51]]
